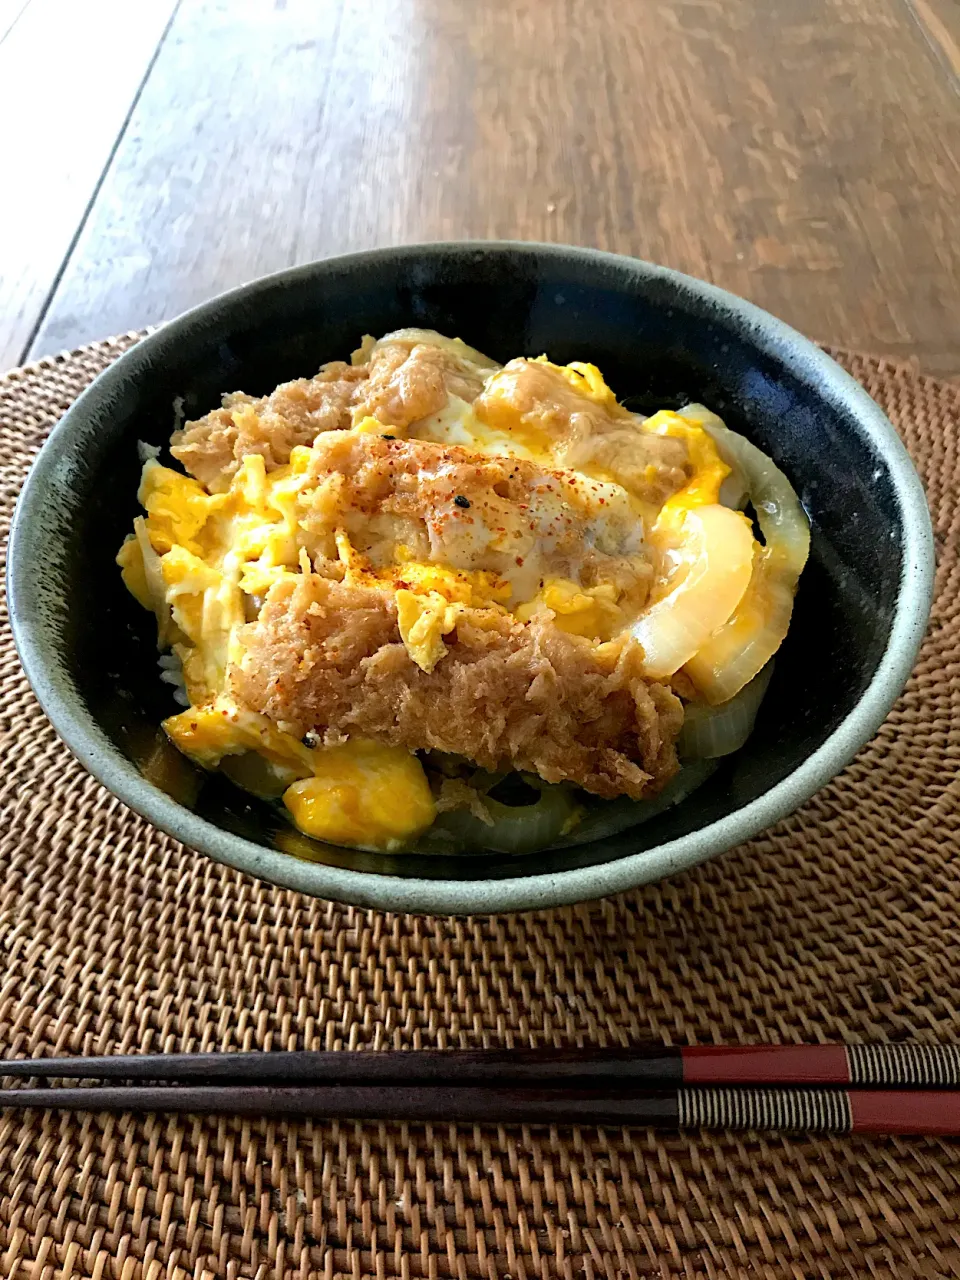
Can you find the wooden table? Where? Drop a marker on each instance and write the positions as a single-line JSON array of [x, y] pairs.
[[803, 153]]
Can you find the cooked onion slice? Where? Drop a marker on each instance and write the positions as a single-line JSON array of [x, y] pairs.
[[709, 732], [455, 347], [514, 829], [613, 816], [715, 562], [750, 636], [156, 586]]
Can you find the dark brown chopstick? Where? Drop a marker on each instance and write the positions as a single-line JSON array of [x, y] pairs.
[[651, 1065], [827, 1110], [643, 1066]]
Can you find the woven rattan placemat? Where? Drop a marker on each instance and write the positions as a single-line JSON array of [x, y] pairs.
[[842, 923]]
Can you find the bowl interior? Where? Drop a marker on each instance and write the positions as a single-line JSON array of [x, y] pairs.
[[659, 341]]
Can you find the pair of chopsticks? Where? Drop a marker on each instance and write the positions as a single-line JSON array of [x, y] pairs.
[[901, 1089]]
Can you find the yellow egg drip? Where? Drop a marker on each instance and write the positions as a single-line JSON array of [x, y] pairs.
[[133, 573], [585, 379], [709, 469], [581, 611], [177, 507], [365, 794]]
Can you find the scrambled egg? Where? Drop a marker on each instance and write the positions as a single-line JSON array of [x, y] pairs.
[[204, 561]]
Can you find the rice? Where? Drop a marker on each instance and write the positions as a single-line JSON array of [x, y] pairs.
[[171, 672], [147, 452]]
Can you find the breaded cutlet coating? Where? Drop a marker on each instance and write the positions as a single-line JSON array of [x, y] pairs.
[[398, 383], [452, 507], [213, 447], [325, 656], [411, 380], [583, 432]]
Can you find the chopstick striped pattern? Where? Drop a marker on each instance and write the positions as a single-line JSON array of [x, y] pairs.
[[906, 1089], [783, 1110], [920, 1065]]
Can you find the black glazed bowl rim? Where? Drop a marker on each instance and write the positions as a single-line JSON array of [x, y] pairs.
[[90, 744]]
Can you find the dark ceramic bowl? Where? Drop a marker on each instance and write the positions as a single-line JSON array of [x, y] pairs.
[[661, 339]]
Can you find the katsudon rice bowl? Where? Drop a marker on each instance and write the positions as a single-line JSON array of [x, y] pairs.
[[465, 579]]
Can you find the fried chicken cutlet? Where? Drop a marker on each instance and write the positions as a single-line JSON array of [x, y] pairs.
[[327, 657]]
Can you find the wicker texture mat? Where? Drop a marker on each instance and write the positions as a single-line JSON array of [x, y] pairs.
[[842, 923]]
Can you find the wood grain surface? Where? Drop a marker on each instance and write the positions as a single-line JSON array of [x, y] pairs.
[[940, 22], [803, 153], [69, 72]]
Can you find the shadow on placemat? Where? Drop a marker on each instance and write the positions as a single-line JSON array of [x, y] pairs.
[[841, 923]]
